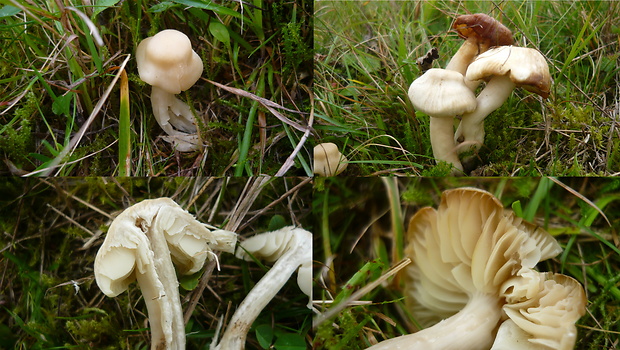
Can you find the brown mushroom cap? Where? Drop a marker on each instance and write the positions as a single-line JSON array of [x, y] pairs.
[[485, 28], [526, 67]]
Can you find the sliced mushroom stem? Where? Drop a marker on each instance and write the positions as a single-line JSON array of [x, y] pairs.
[[298, 253], [163, 302], [472, 328], [471, 129], [444, 148]]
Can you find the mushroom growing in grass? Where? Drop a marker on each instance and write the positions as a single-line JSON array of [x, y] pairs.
[[473, 271], [141, 244], [504, 68], [328, 161], [291, 248], [480, 32], [443, 95], [167, 62]]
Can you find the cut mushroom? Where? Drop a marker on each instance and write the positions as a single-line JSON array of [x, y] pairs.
[[504, 68], [443, 95], [141, 244], [328, 161], [291, 248], [473, 270], [167, 62]]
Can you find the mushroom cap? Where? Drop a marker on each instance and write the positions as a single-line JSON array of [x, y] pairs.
[[271, 246], [526, 68], [486, 29], [126, 247], [468, 245], [328, 161], [542, 310], [441, 93], [166, 60]]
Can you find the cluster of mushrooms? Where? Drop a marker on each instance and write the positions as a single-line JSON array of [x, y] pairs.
[[473, 281], [488, 54], [147, 239]]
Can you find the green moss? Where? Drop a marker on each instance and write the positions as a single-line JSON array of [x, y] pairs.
[[100, 330]]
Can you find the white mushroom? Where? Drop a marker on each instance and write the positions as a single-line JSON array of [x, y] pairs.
[[291, 248], [167, 62], [443, 95], [473, 269], [141, 244], [328, 161], [504, 68]]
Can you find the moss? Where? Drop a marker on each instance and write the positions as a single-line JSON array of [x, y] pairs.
[[100, 330]]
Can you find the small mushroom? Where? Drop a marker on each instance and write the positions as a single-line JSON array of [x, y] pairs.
[[167, 62], [473, 269], [328, 161], [443, 95], [480, 32], [505, 68], [141, 244], [291, 248]]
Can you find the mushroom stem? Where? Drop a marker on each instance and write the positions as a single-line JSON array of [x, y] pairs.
[[472, 328], [442, 132], [299, 252], [171, 112], [464, 56], [471, 128], [162, 302]]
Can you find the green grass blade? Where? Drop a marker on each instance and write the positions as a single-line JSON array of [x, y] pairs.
[[124, 132]]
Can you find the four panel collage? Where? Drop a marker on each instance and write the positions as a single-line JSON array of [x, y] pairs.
[[310, 174]]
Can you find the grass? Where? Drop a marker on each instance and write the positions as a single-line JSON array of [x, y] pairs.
[[52, 229], [55, 76], [359, 224], [365, 61]]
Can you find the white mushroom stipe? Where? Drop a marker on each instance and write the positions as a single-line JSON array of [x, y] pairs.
[[291, 248], [141, 244]]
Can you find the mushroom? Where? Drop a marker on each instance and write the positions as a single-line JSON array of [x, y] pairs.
[[480, 32], [443, 95], [292, 248], [328, 161], [505, 68], [473, 270], [167, 62], [543, 308], [141, 244]]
